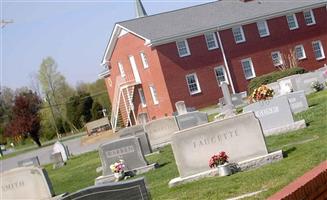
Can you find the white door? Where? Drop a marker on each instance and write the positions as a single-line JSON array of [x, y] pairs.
[[134, 68]]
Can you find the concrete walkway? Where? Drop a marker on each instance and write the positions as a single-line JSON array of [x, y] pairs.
[[74, 146]]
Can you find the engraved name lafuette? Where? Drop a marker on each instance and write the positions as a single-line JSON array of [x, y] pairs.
[[12, 186], [217, 138]]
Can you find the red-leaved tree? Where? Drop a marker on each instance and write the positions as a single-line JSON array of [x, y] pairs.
[[25, 119]]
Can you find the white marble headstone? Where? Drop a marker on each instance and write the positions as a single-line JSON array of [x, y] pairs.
[[60, 147]]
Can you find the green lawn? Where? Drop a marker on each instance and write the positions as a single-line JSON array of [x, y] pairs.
[[303, 150]]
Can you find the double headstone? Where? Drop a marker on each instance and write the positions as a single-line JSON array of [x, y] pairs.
[[137, 131], [26, 183], [298, 101], [240, 137], [33, 161], [191, 119], [305, 81], [160, 131], [128, 190], [275, 115], [127, 149]]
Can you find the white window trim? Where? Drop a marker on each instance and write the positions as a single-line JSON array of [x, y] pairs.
[[242, 33], [266, 27], [225, 74], [145, 60], [121, 70], [155, 99], [280, 58], [214, 38], [197, 84], [312, 16], [295, 20], [252, 68], [187, 48], [141, 94], [303, 52], [321, 48]]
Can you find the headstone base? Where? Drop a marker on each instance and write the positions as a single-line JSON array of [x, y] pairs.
[[161, 145], [111, 178], [290, 127], [242, 166]]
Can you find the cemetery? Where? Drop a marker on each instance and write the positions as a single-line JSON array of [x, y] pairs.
[[255, 146]]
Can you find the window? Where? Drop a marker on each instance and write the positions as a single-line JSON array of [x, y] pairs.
[[248, 68], [142, 97], [263, 28], [318, 50], [309, 17], [193, 83], [276, 58], [183, 49], [144, 60], [238, 34], [292, 21], [220, 75], [299, 52], [154, 94], [211, 41], [121, 70]]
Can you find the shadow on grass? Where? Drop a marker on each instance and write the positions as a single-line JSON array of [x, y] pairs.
[[162, 164], [288, 151]]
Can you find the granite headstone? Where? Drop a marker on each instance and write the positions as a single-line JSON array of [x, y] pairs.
[[26, 183], [127, 149], [125, 190], [239, 136], [191, 119], [33, 161], [137, 131], [160, 131]]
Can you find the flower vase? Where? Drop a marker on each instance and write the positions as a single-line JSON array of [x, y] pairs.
[[119, 176], [224, 170]]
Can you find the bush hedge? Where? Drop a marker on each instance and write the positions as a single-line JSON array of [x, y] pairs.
[[273, 77]]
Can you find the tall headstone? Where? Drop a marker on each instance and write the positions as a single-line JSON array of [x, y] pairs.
[[26, 183], [137, 131], [275, 115], [125, 190], [60, 147], [57, 160], [226, 93], [33, 161], [191, 119], [181, 107], [160, 131]]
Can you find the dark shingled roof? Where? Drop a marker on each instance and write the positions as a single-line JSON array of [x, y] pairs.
[[207, 16]]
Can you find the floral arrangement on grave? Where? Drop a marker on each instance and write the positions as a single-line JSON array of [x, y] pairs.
[[218, 159], [118, 169], [316, 86], [261, 93]]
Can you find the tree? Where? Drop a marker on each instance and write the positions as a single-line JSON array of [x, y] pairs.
[[57, 91], [25, 117], [6, 103], [79, 109], [97, 111]]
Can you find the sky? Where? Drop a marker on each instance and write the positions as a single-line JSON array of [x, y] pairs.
[[74, 33]]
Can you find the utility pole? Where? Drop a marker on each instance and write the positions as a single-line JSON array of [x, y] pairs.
[[4, 22], [53, 118]]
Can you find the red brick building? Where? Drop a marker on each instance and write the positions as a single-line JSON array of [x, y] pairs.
[[151, 62]]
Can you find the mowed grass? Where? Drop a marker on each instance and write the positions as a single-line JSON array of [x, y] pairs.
[[303, 149]]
